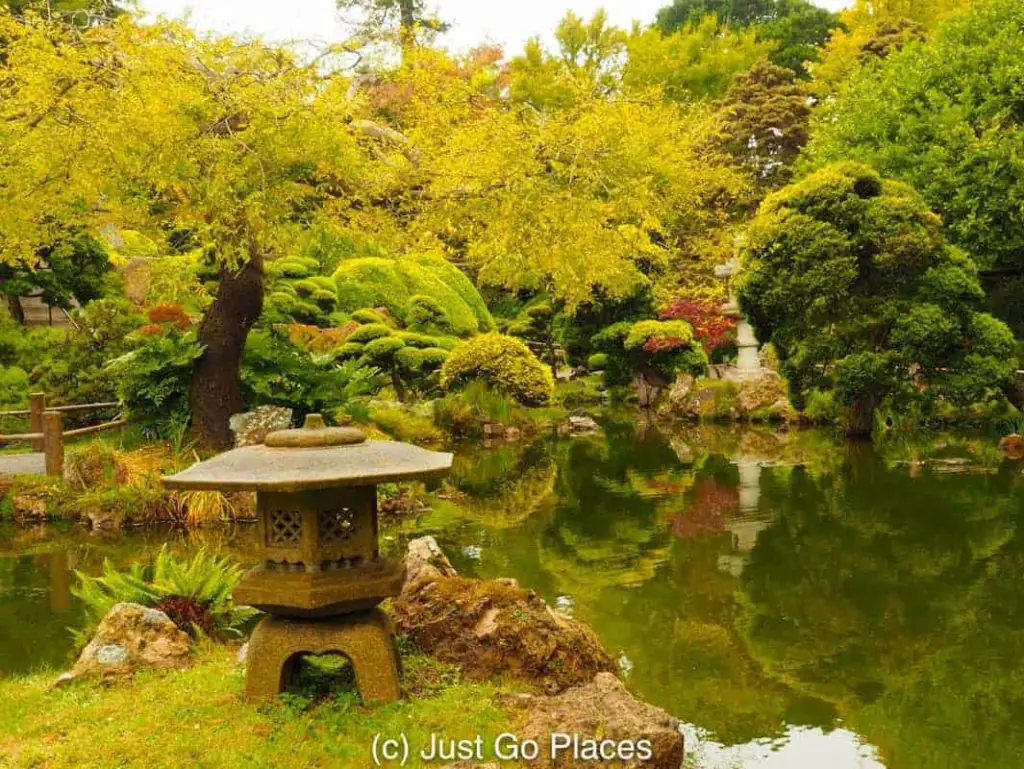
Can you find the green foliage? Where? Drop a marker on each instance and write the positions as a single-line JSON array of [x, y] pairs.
[[298, 293], [74, 268], [945, 117], [696, 61], [14, 386], [842, 272], [504, 364], [407, 426], [766, 116], [369, 317], [423, 293], [797, 28], [153, 379], [277, 372], [535, 324], [368, 333], [598, 361], [464, 414], [652, 348], [204, 583]]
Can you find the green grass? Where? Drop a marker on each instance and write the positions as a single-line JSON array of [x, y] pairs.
[[197, 718]]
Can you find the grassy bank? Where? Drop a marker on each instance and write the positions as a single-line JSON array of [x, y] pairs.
[[197, 718]]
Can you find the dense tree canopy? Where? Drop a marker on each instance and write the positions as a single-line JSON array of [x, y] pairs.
[[795, 28], [851, 279], [766, 119], [946, 117]]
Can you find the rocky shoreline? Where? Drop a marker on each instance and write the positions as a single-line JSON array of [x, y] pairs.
[[566, 696]]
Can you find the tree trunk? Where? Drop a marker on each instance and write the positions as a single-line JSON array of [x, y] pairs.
[[408, 32], [216, 390], [552, 357], [862, 417], [399, 385], [17, 311]]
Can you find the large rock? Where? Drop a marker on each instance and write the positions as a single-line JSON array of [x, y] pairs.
[[765, 392], [680, 389], [425, 560], [130, 638], [600, 724], [253, 427], [491, 628], [1012, 446]]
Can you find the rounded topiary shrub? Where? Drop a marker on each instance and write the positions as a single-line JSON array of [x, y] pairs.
[[505, 364]]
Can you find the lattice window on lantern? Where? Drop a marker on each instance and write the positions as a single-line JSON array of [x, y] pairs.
[[337, 526], [285, 529]]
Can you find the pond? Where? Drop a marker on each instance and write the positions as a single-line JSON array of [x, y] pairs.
[[798, 601]]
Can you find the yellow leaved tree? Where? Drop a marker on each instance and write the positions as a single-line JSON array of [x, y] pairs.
[[155, 128]]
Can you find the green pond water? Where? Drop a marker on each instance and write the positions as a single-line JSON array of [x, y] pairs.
[[799, 602]]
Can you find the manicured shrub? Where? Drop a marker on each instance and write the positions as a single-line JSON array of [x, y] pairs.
[[423, 293], [504, 364], [368, 333], [851, 279], [597, 362]]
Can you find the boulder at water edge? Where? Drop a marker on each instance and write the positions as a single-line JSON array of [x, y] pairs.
[[426, 560], [130, 638], [491, 628], [600, 716]]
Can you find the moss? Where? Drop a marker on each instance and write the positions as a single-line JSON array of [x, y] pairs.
[[319, 723]]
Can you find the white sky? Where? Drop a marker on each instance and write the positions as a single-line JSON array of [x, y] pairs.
[[474, 21]]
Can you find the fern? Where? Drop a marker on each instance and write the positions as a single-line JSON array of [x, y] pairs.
[[195, 593]]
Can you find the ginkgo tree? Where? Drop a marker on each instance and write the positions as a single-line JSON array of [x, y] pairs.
[[156, 128], [594, 194]]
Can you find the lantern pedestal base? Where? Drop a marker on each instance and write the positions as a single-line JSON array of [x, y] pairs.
[[365, 639]]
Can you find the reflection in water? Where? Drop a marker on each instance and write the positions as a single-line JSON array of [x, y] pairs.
[[796, 601]]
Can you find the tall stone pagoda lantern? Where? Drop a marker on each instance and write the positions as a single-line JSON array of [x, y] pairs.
[[748, 361], [321, 576]]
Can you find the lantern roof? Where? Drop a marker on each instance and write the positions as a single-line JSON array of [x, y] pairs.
[[310, 458]]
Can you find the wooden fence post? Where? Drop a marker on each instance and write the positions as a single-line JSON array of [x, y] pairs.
[[53, 443], [36, 407]]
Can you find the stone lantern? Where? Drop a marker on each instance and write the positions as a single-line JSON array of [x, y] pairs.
[[321, 577]]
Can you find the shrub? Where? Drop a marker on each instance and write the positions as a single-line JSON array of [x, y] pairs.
[[464, 414], [504, 364], [276, 372], [368, 333], [403, 425], [711, 327], [415, 290], [71, 365], [194, 593], [14, 386], [851, 279], [649, 348], [153, 379], [597, 362], [367, 317]]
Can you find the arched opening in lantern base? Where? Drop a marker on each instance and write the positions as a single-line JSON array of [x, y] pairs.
[[319, 676], [281, 649]]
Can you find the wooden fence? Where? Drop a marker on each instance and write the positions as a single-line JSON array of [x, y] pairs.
[[47, 433]]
